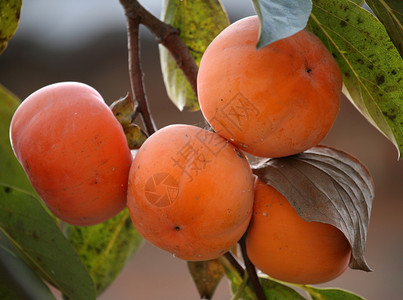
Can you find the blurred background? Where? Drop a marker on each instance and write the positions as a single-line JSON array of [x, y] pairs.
[[86, 41]]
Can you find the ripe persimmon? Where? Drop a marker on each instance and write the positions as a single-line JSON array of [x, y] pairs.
[[74, 152], [286, 247], [273, 102], [190, 192]]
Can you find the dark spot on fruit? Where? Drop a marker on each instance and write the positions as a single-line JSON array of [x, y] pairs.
[[308, 70], [177, 228], [380, 79]]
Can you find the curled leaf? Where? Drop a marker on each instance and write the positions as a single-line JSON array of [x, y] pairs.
[[329, 186], [206, 275], [135, 136], [124, 110]]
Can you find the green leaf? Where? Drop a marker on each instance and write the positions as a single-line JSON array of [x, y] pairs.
[[330, 294], [9, 17], [199, 22], [17, 280], [206, 275], [11, 172], [371, 65], [390, 13], [40, 242], [280, 18], [326, 185], [105, 248], [275, 290], [237, 281]]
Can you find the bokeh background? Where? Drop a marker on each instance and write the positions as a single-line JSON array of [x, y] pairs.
[[86, 41]]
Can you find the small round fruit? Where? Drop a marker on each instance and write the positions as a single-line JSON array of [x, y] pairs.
[[74, 152], [273, 102], [286, 247], [190, 192]]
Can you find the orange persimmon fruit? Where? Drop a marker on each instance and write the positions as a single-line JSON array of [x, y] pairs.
[[273, 102], [190, 192], [286, 247], [73, 151]]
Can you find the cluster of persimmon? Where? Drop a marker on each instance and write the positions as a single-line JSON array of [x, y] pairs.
[[191, 191]]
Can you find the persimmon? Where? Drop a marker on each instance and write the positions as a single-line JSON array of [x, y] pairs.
[[190, 192], [74, 152], [273, 102], [286, 247]]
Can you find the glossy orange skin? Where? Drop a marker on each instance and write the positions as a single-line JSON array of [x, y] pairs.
[[74, 152], [284, 246], [190, 192], [273, 102]]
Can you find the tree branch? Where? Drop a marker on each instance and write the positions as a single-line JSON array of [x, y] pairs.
[[135, 71], [167, 36], [250, 268], [234, 262]]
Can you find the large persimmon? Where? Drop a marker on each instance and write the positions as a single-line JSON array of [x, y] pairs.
[[74, 152], [283, 245], [273, 102], [190, 192]]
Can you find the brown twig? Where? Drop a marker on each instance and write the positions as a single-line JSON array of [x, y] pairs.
[[234, 262], [135, 71], [250, 268], [167, 36]]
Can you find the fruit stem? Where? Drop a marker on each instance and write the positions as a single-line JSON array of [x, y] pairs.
[[168, 36], [135, 71], [234, 262], [250, 268]]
